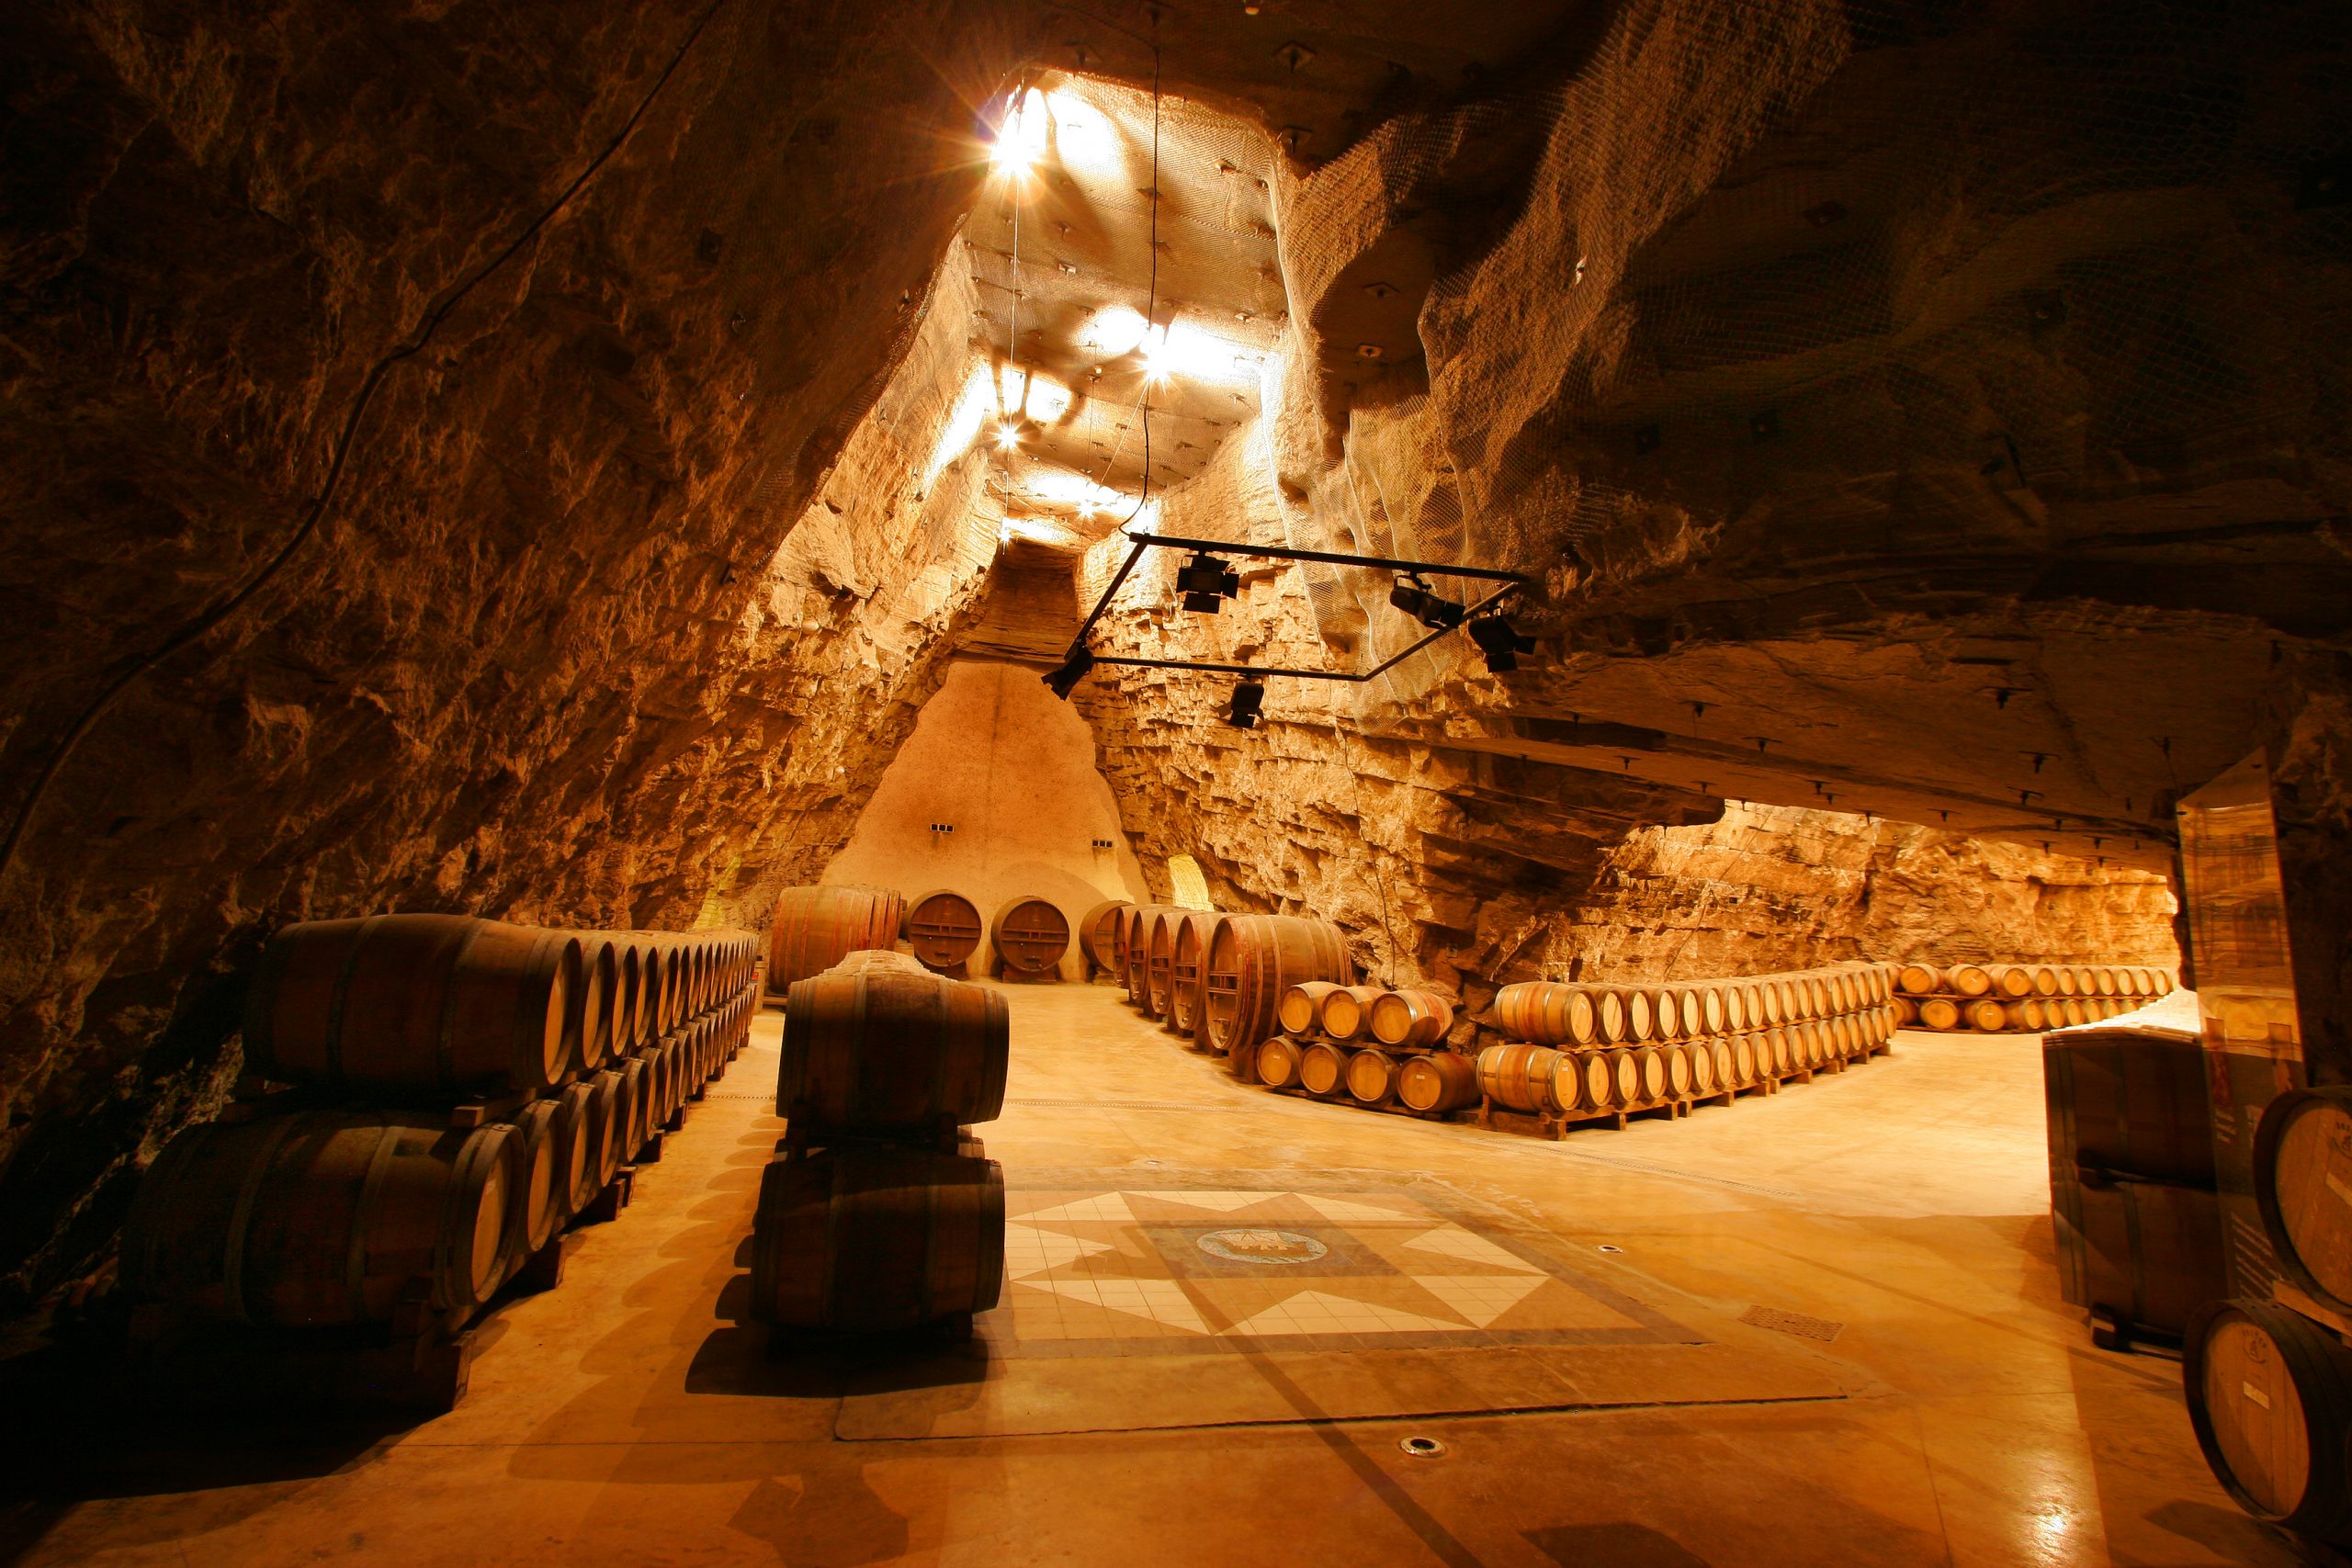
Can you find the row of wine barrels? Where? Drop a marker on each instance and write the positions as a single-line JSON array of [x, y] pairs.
[[1190, 945], [2011, 982], [1428, 1081], [323, 1217], [1135, 948], [1989, 1015], [875, 1047], [1530, 1077], [1030, 935], [1100, 938], [651, 982], [1551, 1013], [813, 928], [1251, 961], [1162, 935], [1409, 1017], [944, 929], [877, 1238]]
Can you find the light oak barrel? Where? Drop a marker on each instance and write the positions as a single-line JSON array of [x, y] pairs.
[[1436, 1081], [2302, 1185], [1518, 1076], [1345, 1013], [1938, 1013], [1985, 1014], [877, 1238], [1726, 1065], [1301, 1009], [1581, 1080], [2270, 1399], [1743, 1051], [322, 1217], [1702, 1057], [890, 1050], [1610, 1025], [1545, 1013], [416, 1002], [1278, 1062], [1679, 1076], [1919, 980], [1322, 1069], [1410, 1018], [1371, 1076]]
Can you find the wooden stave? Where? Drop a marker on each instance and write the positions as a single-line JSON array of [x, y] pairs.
[[928, 1229], [1030, 948], [412, 1198], [944, 929], [880, 1050], [2306, 1403]]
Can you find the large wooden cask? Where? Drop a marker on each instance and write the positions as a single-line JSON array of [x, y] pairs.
[[2270, 1398], [1030, 935], [944, 929], [622, 1016], [1438, 1081], [881, 1049], [2302, 1172], [877, 1237], [1410, 1018], [416, 1002], [1159, 958], [1253, 960], [323, 1217], [814, 928], [1098, 934], [1135, 948], [1188, 948]]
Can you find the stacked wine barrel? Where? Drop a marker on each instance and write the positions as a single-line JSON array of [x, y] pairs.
[[429, 1101], [1592, 1052], [815, 927], [1218, 980], [2004, 999], [1368, 1045], [881, 1211]]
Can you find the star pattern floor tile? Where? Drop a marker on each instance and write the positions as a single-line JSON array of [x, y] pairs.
[[1177, 1270]]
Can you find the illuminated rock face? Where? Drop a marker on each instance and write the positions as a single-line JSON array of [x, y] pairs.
[[1897, 409]]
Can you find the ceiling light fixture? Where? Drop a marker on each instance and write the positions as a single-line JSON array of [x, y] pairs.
[[1501, 642], [1412, 595], [1206, 582], [1008, 434], [1248, 698]]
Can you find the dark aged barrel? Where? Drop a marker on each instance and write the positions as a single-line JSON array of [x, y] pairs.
[[2303, 1174], [1410, 1018], [1436, 1081], [813, 927], [628, 971], [1098, 934], [581, 1144], [1253, 960], [594, 1013], [880, 1049], [437, 1002], [876, 1236], [2270, 1398], [633, 1108], [608, 1116], [1030, 935], [944, 929], [1193, 931], [1136, 970], [322, 1217]]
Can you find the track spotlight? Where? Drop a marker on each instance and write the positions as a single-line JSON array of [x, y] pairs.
[[1065, 679], [1501, 642], [1206, 583], [1412, 595], [1248, 698]]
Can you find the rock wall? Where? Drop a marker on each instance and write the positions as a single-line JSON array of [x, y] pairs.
[[568, 312]]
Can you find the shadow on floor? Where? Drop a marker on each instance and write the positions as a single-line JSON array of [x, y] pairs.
[[1619, 1545], [742, 1357]]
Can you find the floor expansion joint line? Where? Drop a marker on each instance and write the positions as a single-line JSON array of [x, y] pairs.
[[1646, 1167], [1275, 1424]]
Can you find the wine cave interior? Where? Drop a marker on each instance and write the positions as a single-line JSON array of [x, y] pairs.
[[1192, 782]]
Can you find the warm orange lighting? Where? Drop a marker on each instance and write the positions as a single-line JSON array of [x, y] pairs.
[[1022, 138], [1008, 436]]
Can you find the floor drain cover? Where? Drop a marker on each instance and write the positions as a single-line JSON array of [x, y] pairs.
[[1793, 1323], [1422, 1448]]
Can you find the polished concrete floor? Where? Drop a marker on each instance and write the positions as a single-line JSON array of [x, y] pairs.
[[1818, 1328]]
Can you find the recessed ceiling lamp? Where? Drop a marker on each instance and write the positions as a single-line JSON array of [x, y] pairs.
[[1412, 595]]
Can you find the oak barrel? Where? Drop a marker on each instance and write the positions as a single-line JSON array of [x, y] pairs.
[[883, 1049], [1372, 1075], [1608, 1016], [1518, 1076], [1726, 1065], [2270, 1398], [1919, 980], [1030, 935], [1321, 1069], [1193, 929], [539, 1198], [877, 1237], [1437, 1080], [1098, 934], [1253, 959], [322, 1217], [1159, 958], [1277, 1062], [608, 1124], [1346, 1013], [2302, 1173], [579, 1144], [1546, 1014], [1938, 1013], [944, 929], [1410, 1018], [1301, 1009], [814, 928], [1985, 1014], [408, 1002], [1135, 941]]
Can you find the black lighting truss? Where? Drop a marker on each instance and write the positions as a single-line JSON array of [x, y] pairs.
[[1512, 582]]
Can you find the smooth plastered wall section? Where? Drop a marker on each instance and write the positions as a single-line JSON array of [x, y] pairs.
[[1011, 769]]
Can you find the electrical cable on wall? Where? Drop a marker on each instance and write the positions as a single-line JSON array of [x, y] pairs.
[[338, 460]]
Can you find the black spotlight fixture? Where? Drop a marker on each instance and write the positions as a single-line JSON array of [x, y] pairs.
[[1248, 698], [1412, 595], [1501, 642], [1206, 582], [1065, 679]]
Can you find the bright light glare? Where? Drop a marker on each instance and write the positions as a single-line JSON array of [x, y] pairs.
[[1180, 348], [972, 408], [1021, 140], [1008, 436], [1066, 487], [1025, 393], [1038, 530]]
